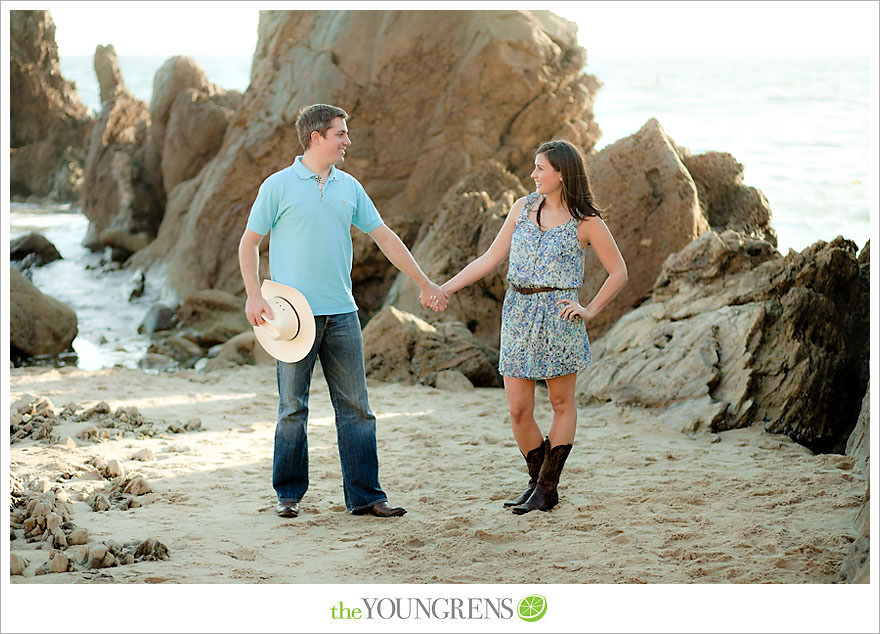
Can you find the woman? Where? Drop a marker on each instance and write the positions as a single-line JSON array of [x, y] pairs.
[[543, 334]]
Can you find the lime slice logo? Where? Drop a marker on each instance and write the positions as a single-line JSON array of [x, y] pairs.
[[532, 608]]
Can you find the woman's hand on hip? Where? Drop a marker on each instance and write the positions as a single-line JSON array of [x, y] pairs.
[[572, 310]]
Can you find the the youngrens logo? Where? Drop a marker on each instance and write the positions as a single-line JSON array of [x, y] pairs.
[[530, 608]]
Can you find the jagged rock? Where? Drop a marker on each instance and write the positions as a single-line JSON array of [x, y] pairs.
[[49, 125], [100, 557], [480, 85], [174, 76], [652, 210], [856, 567], [107, 69], [151, 549], [452, 380], [17, 565], [137, 486], [212, 316], [144, 455], [461, 229], [36, 244], [122, 193], [159, 362], [78, 537], [735, 334], [158, 317], [398, 346], [196, 126], [181, 349], [59, 562], [38, 324], [114, 469], [725, 201]]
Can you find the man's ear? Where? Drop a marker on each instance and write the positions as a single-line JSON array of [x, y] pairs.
[[315, 135]]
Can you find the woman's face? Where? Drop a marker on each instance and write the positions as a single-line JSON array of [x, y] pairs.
[[547, 180]]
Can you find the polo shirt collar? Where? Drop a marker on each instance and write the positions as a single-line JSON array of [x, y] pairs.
[[305, 173]]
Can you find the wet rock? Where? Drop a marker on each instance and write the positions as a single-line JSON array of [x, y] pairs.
[[158, 317], [181, 349], [135, 286], [35, 244], [193, 424], [38, 324], [159, 362]]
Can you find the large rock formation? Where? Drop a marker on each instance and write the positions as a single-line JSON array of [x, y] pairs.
[[122, 195], [461, 229], [479, 85], [189, 118], [726, 202], [398, 346], [735, 334], [38, 324], [856, 568], [48, 124], [652, 209]]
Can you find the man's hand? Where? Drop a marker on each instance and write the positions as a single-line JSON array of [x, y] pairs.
[[255, 307], [433, 297]]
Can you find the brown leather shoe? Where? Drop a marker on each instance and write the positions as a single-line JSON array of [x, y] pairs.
[[287, 509], [381, 509]]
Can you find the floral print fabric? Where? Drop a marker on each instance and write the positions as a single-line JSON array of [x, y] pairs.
[[536, 343]]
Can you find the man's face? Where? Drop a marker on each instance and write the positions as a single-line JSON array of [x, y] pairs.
[[333, 144]]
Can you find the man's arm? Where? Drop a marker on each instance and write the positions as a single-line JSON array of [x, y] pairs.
[[397, 253], [249, 263]]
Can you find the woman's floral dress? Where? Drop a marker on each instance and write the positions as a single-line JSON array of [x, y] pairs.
[[536, 342]]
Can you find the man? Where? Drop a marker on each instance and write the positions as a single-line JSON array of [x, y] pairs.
[[309, 208]]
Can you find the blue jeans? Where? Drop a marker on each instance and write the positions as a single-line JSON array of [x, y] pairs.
[[339, 345]]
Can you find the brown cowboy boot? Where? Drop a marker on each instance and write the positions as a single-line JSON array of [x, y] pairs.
[[534, 460], [544, 497]]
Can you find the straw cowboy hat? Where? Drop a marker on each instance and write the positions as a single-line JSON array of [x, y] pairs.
[[289, 335]]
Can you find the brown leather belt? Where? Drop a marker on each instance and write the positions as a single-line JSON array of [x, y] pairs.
[[539, 289]]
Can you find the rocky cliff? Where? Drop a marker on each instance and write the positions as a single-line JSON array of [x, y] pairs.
[[48, 124], [432, 96]]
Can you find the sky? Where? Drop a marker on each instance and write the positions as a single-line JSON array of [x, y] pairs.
[[604, 28]]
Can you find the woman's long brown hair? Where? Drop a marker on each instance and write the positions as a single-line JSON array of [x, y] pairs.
[[577, 195]]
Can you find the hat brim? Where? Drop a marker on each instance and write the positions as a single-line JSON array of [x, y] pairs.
[[297, 348]]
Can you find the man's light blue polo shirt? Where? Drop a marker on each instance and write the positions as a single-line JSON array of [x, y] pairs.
[[310, 240]]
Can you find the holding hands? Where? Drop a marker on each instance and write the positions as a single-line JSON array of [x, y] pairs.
[[433, 297]]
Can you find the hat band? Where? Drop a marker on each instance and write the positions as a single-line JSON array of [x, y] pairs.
[[298, 320]]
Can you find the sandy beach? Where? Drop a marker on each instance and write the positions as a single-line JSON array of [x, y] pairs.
[[640, 502]]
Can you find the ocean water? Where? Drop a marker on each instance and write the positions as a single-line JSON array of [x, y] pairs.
[[799, 125]]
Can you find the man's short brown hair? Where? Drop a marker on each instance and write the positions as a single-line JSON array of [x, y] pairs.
[[316, 118]]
